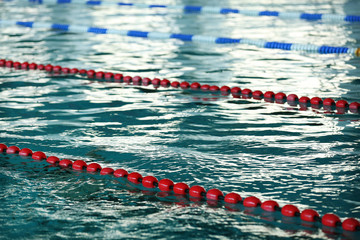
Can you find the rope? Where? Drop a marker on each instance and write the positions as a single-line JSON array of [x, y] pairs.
[[216, 10], [324, 49], [213, 197], [328, 104]]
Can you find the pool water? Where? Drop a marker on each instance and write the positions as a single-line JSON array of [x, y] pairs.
[[272, 151]]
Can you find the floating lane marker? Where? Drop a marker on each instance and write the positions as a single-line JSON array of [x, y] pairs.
[[216, 10], [324, 49], [328, 104], [214, 197]]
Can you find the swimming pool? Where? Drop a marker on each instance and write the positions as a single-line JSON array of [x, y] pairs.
[[272, 151]]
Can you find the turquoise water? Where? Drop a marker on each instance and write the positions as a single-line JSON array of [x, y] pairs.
[[268, 150]]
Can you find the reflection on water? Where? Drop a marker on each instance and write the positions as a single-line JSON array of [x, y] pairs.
[[250, 147]]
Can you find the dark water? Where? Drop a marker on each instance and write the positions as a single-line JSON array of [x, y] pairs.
[[272, 151]]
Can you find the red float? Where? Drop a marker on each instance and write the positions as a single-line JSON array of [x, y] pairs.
[[12, 150], [184, 85], [342, 104], [121, 173], [195, 86], [175, 84], [328, 102], [166, 185], [251, 202], [309, 215], [65, 163], [38, 156], [196, 191], [181, 188], [52, 159], [93, 167], [316, 101], [351, 224], [214, 194], [134, 177], [149, 182], [269, 94], [106, 171], [165, 83], [79, 165], [270, 206], [330, 220], [3, 147], [25, 152], [232, 198], [290, 211]]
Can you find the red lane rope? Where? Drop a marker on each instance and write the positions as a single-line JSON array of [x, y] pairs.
[[194, 193], [328, 104]]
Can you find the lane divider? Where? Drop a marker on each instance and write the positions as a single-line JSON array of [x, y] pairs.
[[216, 10], [311, 48], [328, 104], [213, 197]]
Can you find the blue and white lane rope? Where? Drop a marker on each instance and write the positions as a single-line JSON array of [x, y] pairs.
[[217, 10], [187, 37]]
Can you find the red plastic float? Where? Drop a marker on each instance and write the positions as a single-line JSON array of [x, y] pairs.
[[79, 165], [33, 66], [107, 171], [257, 94], [93, 167], [214, 194], [225, 89], [25, 65], [184, 85], [166, 185], [74, 70], [233, 198], [280, 96], [128, 79], [235, 90], [304, 100], [52, 159], [246, 91], [121, 173], [175, 84], [150, 182], [342, 104], [351, 224], [165, 83], [65, 163], [205, 87], [269, 94], [330, 220], [134, 177], [3, 147], [316, 101], [328, 102], [56, 69], [251, 202], [118, 77], [181, 188], [214, 88], [196, 191], [290, 211], [38, 156], [270, 206], [309, 215], [195, 86], [25, 152], [12, 150]]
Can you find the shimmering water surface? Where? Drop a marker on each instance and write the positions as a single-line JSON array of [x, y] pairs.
[[269, 150]]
